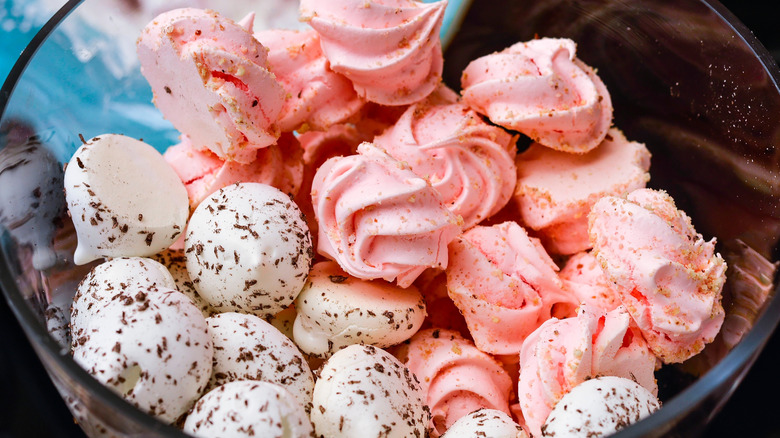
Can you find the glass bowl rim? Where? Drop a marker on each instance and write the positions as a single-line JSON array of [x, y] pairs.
[[741, 357]]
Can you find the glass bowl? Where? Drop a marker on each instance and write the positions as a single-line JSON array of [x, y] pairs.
[[686, 78]]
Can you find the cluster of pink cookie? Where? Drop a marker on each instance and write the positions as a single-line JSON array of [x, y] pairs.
[[457, 284]]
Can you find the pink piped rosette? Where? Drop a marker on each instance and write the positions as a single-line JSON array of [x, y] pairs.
[[456, 377], [541, 89], [469, 162], [378, 219]]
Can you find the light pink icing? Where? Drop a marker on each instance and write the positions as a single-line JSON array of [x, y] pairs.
[[316, 96], [456, 377], [667, 276], [389, 49], [209, 78], [563, 353], [541, 89], [318, 147], [203, 173], [583, 277], [470, 163], [505, 285], [556, 190], [378, 219]]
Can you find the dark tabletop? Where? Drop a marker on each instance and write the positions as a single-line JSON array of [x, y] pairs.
[[30, 406]]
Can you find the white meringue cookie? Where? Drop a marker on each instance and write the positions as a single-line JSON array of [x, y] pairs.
[[364, 391], [112, 278], [248, 408], [248, 348], [600, 407], [248, 249], [485, 423], [175, 261], [336, 310], [153, 349], [124, 199]]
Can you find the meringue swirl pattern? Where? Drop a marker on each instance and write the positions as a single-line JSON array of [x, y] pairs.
[[469, 162], [378, 219], [456, 377], [389, 49], [541, 89]]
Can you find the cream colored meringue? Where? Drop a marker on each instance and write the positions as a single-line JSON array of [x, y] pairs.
[[123, 198], [248, 249], [335, 310]]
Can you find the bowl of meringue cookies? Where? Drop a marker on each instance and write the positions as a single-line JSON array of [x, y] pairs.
[[392, 218]]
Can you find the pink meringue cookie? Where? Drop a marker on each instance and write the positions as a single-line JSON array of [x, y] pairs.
[[563, 353], [378, 219], [318, 147], [505, 285], [469, 162], [209, 77], [541, 89], [456, 377], [668, 277], [203, 173], [389, 49], [583, 277], [316, 96], [556, 190]]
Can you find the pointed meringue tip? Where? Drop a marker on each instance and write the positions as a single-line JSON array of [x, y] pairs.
[[248, 22]]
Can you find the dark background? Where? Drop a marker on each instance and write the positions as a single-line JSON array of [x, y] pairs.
[[30, 406]]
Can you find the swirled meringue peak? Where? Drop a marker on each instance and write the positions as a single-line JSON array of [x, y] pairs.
[[316, 96], [668, 277], [469, 162], [210, 79], [505, 285], [562, 353], [455, 376], [541, 89], [389, 49], [378, 219]]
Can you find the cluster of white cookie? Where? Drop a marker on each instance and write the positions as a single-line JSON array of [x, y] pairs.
[[185, 332]]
